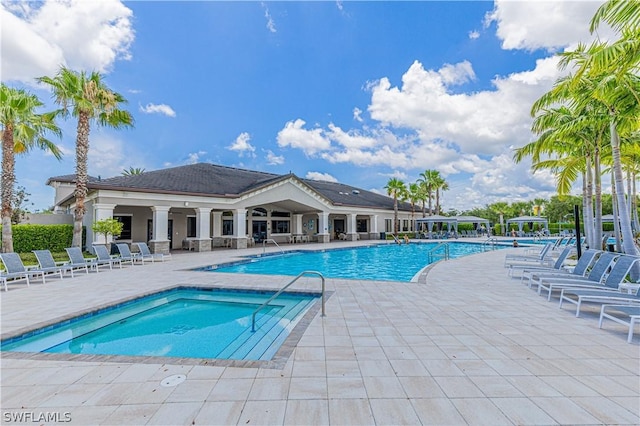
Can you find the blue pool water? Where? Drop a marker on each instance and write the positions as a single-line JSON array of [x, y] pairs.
[[189, 323], [384, 262]]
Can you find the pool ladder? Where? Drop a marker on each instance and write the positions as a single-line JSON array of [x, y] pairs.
[[432, 252], [491, 241], [300, 275], [271, 240]]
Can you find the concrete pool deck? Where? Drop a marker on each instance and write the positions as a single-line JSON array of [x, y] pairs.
[[471, 346]]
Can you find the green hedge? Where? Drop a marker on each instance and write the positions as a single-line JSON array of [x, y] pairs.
[[41, 237]]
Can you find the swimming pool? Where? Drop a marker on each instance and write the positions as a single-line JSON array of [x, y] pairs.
[[382, 262], [182, 322]]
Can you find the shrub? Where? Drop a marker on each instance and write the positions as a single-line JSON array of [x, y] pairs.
[[41, 237]]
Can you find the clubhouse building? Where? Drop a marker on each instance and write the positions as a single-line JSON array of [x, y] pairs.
[[203, 206]]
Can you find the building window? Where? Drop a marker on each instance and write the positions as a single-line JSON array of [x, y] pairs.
[[280, 226], [191, 226], [259, 212], [388, 225], [227, 227], [280, 214], [362, 225], [405, 225], [126, 226]]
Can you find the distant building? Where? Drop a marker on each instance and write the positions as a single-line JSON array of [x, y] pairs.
[[201, 206]]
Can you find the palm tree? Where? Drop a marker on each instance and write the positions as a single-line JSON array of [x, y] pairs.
[[396, 189], [22, 130], [440, 185], [413, 194], [131, 171], [427, 180], [86, 97]]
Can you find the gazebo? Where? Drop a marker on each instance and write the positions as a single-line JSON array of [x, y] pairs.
[[473, 219], [430, 220], [521, 220]]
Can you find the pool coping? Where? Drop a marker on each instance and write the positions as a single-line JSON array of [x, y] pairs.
[[278, 361]]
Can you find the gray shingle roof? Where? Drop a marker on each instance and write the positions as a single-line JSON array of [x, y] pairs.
[[216, 180]]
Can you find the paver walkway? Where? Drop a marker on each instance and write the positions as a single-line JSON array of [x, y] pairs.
[[471, 346]]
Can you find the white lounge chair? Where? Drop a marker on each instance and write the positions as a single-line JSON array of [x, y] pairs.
[[104, 258], [78, 260], [527, 267], [49, 266], [126, 255], [580, 270], [145, 253], [596, 278], [631, 316], [540, 258], [15, 270]]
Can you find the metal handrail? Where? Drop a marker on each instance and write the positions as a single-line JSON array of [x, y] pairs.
[[431, 252], [264, 245], [491, 240], [300, 275]]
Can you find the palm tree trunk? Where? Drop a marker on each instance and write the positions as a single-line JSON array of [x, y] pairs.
[[395, 215], [8, 180], [616, 224], [597, 226], [625, 222], [587, 205], [82, 152]]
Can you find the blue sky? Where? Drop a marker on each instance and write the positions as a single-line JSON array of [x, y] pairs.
[[357, 92]]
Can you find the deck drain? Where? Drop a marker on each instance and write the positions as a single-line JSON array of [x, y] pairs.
[[172, 381]]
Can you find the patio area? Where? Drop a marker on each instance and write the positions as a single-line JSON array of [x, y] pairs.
[[471, 346]]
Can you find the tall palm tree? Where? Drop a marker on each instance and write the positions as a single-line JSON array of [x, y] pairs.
[[22, 130], [427, 180], [440, 185], [413, 194], [396, 189], [87, 98]]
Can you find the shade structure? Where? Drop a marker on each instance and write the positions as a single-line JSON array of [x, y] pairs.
[[521, 220], [473, 219], [451, 222]]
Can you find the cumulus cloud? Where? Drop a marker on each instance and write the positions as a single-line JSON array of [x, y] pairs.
[[357, 114], [39, 37], [158, 109], [473, 35], [320, 176], [194, 157], [242, 146], [532, 25], [273, 159], [310, 141]]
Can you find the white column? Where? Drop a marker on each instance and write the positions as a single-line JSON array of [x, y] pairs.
[[160, 223], [323, 227], [240, 223], [217, 224], [296, 224], [203, 221], [351, 223], [373, 224], [100, 212]]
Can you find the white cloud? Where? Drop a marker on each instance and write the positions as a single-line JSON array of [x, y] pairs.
[[271, 25], [194, 157], [473, 35], [357, 114], [294, 135], [79, 34], [320, 176], [158, 109], [532, 25], [273, 159], [242, 146]]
